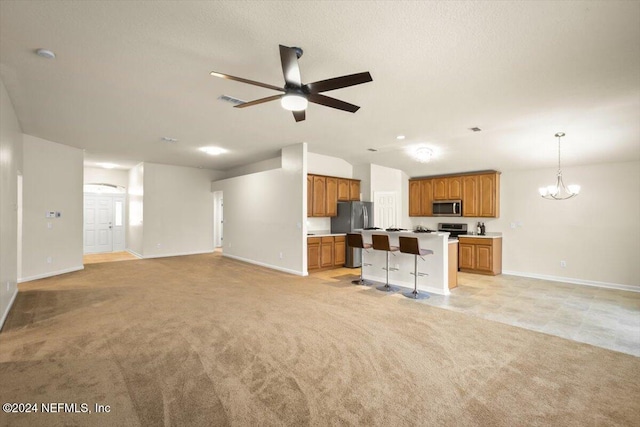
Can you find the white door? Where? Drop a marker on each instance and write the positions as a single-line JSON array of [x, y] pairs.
[[118, 223], [386, 209], [98, 223], [218, 207]]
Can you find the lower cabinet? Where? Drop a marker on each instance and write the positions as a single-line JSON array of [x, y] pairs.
[[480, 255], [325, 252]]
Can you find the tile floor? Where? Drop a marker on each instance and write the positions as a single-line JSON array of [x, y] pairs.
[[607, 318]]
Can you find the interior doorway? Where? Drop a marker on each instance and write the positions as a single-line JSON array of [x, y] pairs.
[[386, 209], [104, 218], [218, 219]]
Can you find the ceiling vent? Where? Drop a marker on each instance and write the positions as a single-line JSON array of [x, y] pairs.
[[372, 149], [475, 129], [231, 99]]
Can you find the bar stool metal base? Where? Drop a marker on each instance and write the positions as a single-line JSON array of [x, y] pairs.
[[416, 295], [361, 282], [388, 288]]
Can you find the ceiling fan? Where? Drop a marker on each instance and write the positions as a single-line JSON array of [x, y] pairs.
[[296, 95]]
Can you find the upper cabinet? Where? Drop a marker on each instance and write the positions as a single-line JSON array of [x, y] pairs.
[[479, 192], [447, 188], [324, 193], [421, 197]]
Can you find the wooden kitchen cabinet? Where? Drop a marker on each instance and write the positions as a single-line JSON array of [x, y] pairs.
[[313, 253], [479, 192], [447, 188], [344, 186], [309, 195], [324, 193], [415, 198], [339, 251], [354, 189], [480, 255], [325, 252], [331, 199], [420, 197], [319, 196], [426, 197], [489, 190]]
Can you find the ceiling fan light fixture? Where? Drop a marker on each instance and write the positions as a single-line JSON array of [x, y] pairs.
[[213, 151], [294, 102]]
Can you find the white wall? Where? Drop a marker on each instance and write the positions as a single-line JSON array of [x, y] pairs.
[[597, 233], [178, 210], [52, 182], [135, 204], [320, 164], [106, 176], [265, 213], [10, 163]]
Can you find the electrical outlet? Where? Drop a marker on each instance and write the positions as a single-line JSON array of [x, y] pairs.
[[280, 255], [8, 285], [563, 264], [49, 260]]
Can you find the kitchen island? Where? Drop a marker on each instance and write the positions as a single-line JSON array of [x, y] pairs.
[[436, 265]]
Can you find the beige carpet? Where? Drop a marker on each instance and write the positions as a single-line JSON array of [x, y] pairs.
[[203, 340]]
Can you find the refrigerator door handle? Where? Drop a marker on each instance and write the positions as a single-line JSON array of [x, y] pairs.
[[366, 217]]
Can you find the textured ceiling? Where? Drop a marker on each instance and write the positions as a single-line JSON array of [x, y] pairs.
[[129, 73]]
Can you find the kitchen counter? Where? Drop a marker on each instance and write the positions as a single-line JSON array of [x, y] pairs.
[[494, 235], [324, 233], [436, 265]]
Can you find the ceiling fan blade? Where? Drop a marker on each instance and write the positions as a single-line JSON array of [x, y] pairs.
[[299, 115], [338, 82], [258, 101], [332, 102], [290, 67], [251, 82]]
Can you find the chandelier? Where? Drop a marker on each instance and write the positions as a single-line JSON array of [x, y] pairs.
[[559, 191]]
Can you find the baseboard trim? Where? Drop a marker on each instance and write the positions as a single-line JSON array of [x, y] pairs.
[[262, 264], [50, 274], [177, 254], [571, 280], [135, 254], [6, 312]]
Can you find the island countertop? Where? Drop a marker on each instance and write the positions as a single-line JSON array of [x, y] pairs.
[[436, 265]]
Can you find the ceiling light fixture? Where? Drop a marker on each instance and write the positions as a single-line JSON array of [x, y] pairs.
[[422, 154], [294, 102], [213, 151], [559, 191], [107, 165], [45, 53], [170, 140]]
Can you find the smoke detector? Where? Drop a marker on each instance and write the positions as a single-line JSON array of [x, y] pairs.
[[45, 53]]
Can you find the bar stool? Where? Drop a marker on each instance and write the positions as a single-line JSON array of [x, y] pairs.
[[381, 243], [354, 240], [409, 245]]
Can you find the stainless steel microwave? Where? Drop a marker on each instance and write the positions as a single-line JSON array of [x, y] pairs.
[[447, 208]]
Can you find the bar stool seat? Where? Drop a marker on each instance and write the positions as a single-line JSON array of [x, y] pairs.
[[355, 240], [381, 243], [410, 245]]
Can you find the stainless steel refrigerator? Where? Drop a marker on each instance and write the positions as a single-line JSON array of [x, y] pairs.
[[352, 216]]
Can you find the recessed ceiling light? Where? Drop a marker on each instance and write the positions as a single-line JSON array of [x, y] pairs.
[[45, 53], [475, 129], [400, 137], [213, 151], [107, 165], [169, 140]]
